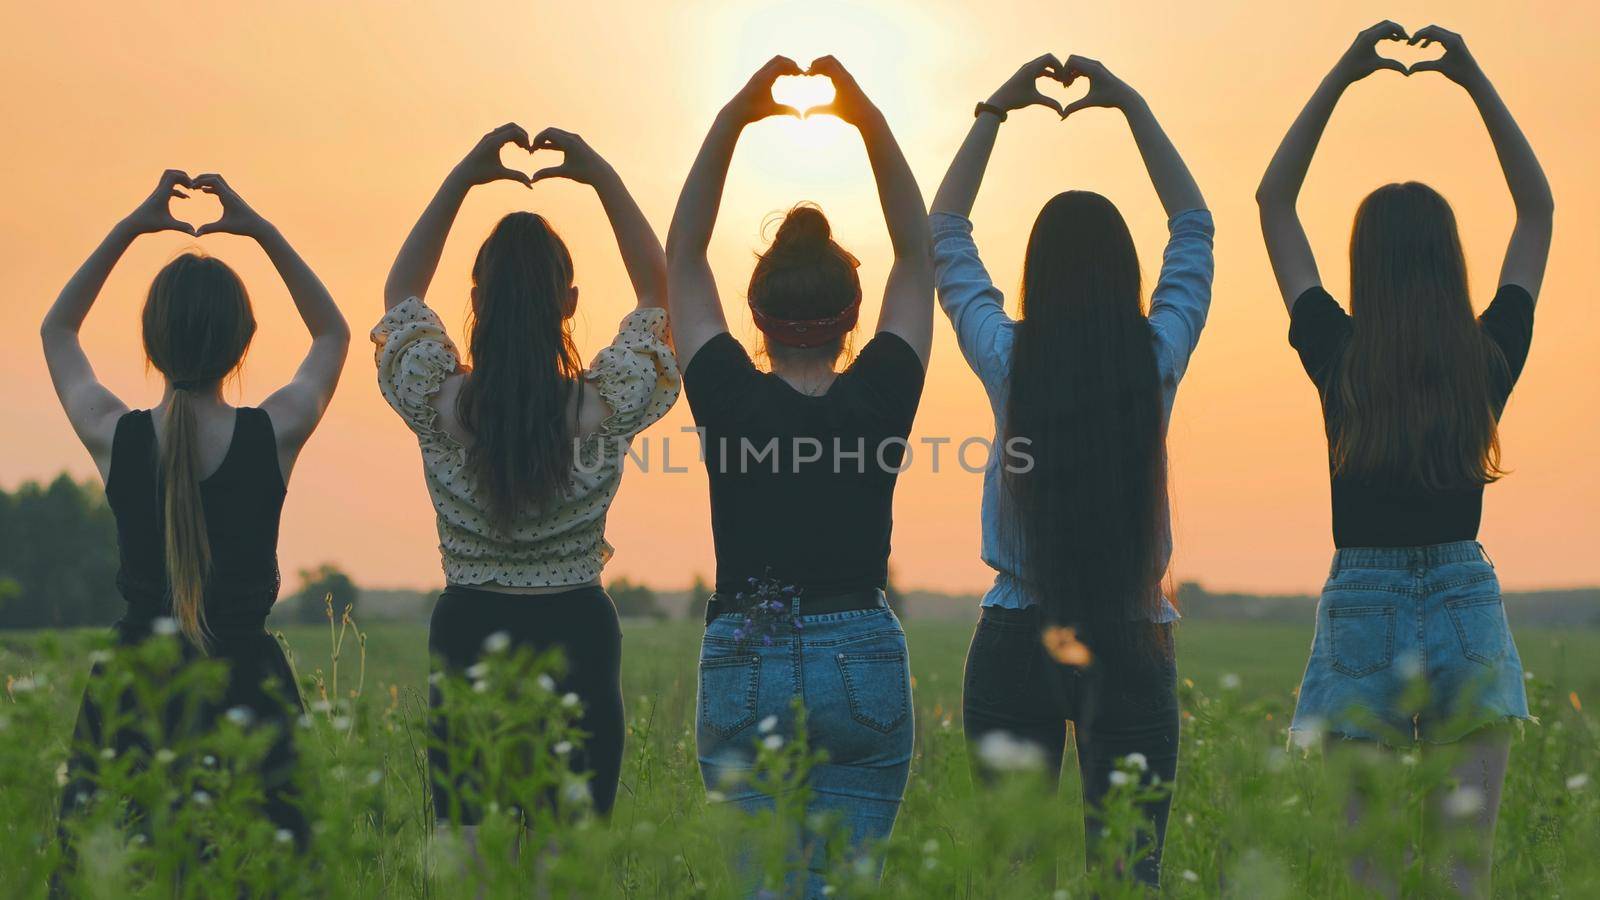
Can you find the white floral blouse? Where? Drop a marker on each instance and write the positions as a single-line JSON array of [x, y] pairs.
[[638, 378]]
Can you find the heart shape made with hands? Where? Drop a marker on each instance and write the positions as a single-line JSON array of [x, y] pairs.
[[518, 159], [803, 92], [1408, 55], [196, 210]]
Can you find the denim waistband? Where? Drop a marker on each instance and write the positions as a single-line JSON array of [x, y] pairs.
[[804, 606], [1409, 557]]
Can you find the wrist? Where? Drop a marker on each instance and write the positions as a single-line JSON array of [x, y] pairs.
[[127, 229], [995, 108]]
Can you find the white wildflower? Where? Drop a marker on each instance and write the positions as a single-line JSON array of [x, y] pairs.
[[767, 724], [715, 796], [241, 715], [772, 741], [202, 798], [497, 642], [1000, 750], [1137, 761], [99, 656], [1578, 782], [1408, 759], [284, 836], [1463, 801], [165, 756], [481, 686], [562, 748], [569, 700], [374, 776], [575, 791], [209, 761], [341, 723], [930, 847], [546, 682], [322, 706], [24, 685], [1120, 778], [1230, 681], [166, 626], [1190, 876], [478, 671]]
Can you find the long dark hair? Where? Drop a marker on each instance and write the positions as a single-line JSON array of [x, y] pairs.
[[1085, 395], [197, 326], [1415, 387], [805, 274], [524, 368]]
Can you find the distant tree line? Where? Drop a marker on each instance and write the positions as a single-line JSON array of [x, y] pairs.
[[58, 556]]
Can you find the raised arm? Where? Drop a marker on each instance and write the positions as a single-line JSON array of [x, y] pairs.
[[959, 190], [641, 249], [1530, 191], [1287, 246], [908, 294], [1173, 183], [419, 256], [297, 407], [693, 302], [93, 409]]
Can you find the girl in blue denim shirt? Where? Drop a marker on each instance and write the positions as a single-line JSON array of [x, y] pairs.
[[1075, 519], [1412, 644]]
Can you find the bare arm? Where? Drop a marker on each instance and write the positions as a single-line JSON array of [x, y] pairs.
[[695, 307], [297, 407], [959, 190], [92, 408], [908, 294], [1288, 248], [1168, 172], [1529, 249], [641, 249], [418, 258]]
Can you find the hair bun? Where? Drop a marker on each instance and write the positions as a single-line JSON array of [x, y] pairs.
[[804, 229]]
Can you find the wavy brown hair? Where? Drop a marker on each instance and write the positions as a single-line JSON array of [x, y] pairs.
[[1086, 396], [1415, 388], [524, 368], [197, 325]]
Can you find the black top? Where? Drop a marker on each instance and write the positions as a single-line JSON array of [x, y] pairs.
[[242, 499], [1394, 513], [797, 492]]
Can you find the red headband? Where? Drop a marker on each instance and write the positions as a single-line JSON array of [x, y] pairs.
[[808, 332]]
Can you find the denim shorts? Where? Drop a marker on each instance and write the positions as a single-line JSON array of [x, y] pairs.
[[1412, 644], [851, 672]]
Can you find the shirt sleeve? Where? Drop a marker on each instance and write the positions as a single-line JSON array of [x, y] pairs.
[[1318, 329], [975, 307], [717, 377], [414, 356], [1182, 298], [892, 372], [1509, 323], [637, 375]]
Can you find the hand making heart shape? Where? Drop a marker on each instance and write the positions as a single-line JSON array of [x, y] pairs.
[[155, 213], [1362, 59], [756, 100]]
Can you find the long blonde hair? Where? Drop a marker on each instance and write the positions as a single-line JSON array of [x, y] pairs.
[[197, 326]]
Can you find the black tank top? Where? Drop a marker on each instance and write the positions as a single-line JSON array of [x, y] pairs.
[[242, 499]]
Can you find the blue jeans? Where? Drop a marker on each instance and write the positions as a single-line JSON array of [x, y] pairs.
[[850, 671], [1412, 644]]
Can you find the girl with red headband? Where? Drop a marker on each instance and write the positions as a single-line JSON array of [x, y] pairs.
[[802, 463]]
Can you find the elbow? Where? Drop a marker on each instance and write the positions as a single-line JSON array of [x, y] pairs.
[[1541, 207]]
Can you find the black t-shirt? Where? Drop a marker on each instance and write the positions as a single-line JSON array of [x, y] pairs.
[[1394, 513], [797, 490]]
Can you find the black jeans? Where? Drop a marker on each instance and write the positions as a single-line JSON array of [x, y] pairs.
[[1118, 706], [581, 622]]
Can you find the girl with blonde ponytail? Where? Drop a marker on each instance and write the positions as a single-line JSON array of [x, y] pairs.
[[196, 485]]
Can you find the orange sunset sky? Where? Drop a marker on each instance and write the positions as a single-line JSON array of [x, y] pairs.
[[338, 120]]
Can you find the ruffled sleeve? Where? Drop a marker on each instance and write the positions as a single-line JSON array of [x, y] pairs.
[[637, 375], [414, 356]]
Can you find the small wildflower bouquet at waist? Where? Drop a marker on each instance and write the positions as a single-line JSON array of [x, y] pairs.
[[767, 605]]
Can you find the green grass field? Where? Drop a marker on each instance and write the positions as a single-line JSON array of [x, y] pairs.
[[1249, 818]]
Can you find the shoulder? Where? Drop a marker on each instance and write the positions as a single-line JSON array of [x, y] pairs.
[[719, 356], [889, 362]]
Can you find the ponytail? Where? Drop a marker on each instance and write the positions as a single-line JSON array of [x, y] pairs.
[[184, 518]]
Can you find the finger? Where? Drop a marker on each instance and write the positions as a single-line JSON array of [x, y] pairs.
[[784, 109], [175, 176], [1427, 65], [783, 65], [208, 228], [506, 173], [1040, 99], [1044, 64], [826, 109], [550, 138], [511, 133], [1077, 105], [174, 192], [560, 171], [1395, 64]]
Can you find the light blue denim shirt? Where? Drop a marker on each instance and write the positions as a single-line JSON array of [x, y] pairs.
[[1178, 307]]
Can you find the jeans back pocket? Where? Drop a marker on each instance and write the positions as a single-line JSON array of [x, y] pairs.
[[1481, 627], [728, 691], [876, 686], [1361, 639]]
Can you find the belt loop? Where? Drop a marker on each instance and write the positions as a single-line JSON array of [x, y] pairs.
[[1333, 569], [1485, 552], [711, 609]]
